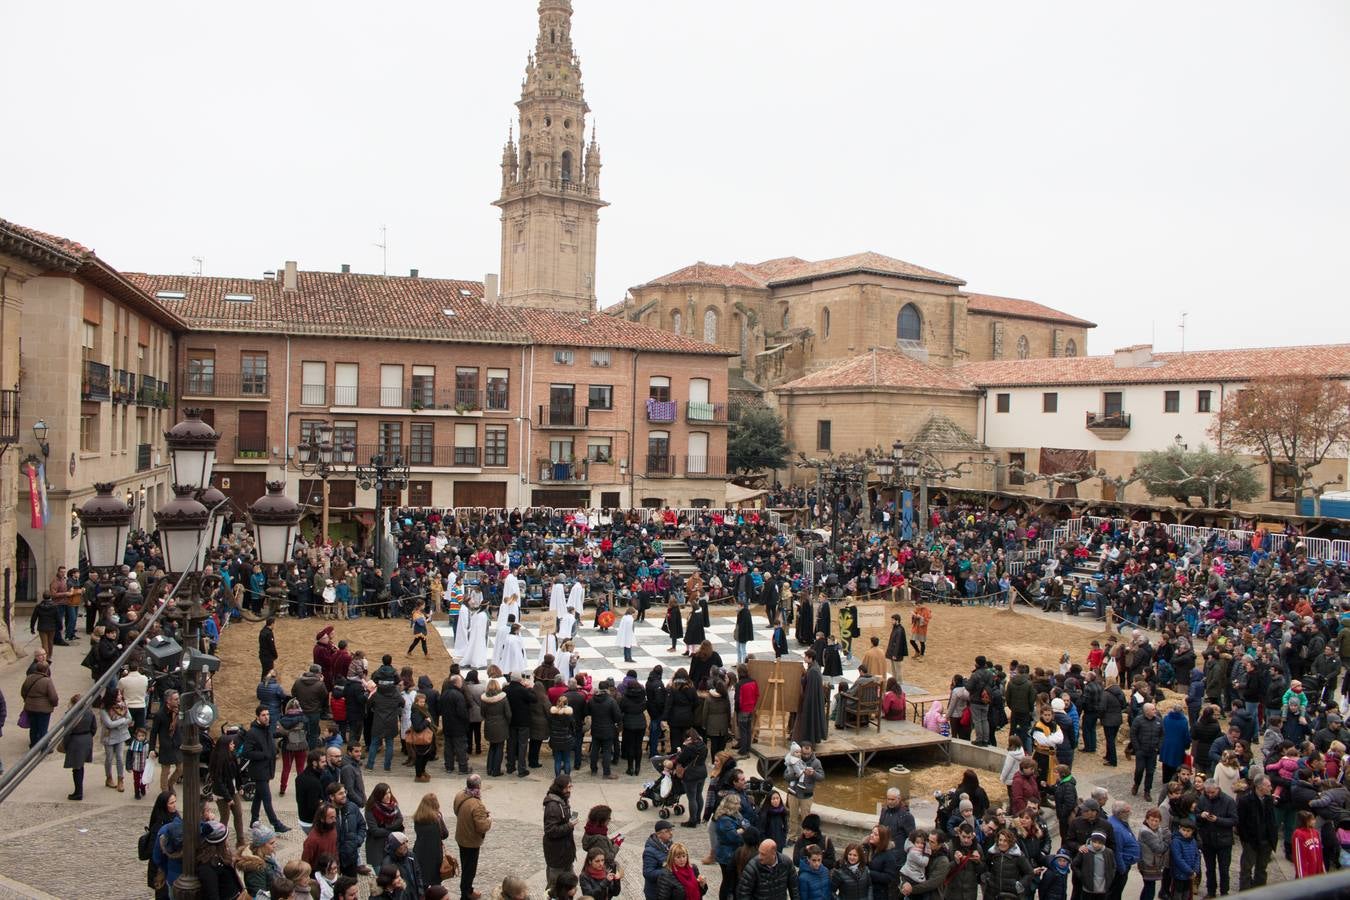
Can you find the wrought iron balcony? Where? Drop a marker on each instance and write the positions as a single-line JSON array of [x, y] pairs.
[[9, 417], [554, 471], [96, 382], [563, 416], [698, 413]]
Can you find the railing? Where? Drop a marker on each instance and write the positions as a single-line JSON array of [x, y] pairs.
[[124, 387], [245, 448], [498, 398], [661, 466], [162, 394], [441, 456], [1108, 420], [222, 384], [705, 466], [553, 471], [147, 392], [563, 416], [413, 398], [662, 411], [143, 452], [698, 413], [313, 394], [96, 383], [9, 416]]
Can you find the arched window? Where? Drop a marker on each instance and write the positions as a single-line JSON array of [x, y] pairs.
[[676, 322], [825, 322], [567, 165], [785, 318], [1023, 347], [1070, 348], [909, 324], [710, 326], [525, 172]]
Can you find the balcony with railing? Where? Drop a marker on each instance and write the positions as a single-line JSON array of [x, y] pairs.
[[413, 399], [251, 449], [553, 471], [498, 398], [222, 386], [699, 413], [662, 466], [563, 416], [143, 456], [9, 417], [705, 467], [434, 456], [124, 387], [96, 381], [662, 411], [1110, 426]]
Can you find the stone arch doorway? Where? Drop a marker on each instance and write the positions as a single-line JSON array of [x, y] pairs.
[[26, 581]]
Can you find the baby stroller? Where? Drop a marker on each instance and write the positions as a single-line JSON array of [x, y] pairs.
[[664, 793]]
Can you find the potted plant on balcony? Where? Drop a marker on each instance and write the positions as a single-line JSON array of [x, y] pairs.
[[416, 405]]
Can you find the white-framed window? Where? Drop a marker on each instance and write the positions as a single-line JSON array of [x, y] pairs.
[[600, 358], [599, 449], [391, 385], [313, 389], [345, 377], [564, 357]]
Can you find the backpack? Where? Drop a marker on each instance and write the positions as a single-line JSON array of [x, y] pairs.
[[145, 844]]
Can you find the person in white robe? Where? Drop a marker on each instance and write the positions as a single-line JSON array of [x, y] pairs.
[[627, 634], [566, 661], [507, 613], [463, 625], [511, 587], [476, 657], [547, 644], [557, 598], [576, 599], [511, 659], [506, 622], [567, 625]]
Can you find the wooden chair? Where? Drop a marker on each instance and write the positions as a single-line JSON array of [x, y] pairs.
[[864, 707]]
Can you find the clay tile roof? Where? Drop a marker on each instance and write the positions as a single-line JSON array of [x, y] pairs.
[[771, 268], [881, 368], [1022, 309], [708, 273], [51, 241], [399, 307], [860, 262], [546, 326], [1330, 360]]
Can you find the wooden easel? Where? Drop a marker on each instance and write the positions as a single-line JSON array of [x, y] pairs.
[[772, 718]]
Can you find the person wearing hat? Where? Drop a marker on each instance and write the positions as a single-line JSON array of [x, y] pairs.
[[654, 854], [215, 863], [398, 853], [311, 692], [259, 861], [1094, 868]]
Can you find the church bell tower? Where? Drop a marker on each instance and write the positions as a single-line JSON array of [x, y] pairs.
[[550, 198]]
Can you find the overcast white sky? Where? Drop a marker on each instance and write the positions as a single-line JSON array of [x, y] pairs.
[[1124, 162]]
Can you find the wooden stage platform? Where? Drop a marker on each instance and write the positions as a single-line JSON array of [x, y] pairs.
[[859, 745]]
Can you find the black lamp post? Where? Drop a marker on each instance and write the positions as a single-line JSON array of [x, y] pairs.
[[106, 523], [840, 480], [186, 528], [320, 457], [383, 471], [276, 518]]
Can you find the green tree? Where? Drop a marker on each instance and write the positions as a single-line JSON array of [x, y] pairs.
[[755, 441], [1181, 474]]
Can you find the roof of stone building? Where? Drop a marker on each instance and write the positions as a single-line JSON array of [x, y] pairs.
[[940, 432], [1329, 360], [710, 273], [398, 307], [738, 382], [868, 261], [881, 368], [1022, 309], [60, 254]]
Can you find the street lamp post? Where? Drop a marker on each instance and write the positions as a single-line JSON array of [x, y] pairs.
[[185, 525], [275, 518], [911, 471], [106, 523], [383, 471], [320, 457]]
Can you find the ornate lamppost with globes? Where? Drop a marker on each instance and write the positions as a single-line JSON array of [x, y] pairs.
[[320, 457], [384, 471], [276, 519], [186, 529], [105, 521]]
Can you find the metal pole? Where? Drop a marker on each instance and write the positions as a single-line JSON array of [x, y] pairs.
[[923, 507], [834, 533], [188, 887], [323, 514]]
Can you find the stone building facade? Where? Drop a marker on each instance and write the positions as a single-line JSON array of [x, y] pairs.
[[788, 317]]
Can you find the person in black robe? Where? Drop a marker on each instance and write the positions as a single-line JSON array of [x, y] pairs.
[[805, 632], [825, 617], [673, 625], [745, 627], [768, 595], [811, 724], [694, 629]]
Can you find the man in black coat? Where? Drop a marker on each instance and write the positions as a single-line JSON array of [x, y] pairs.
[[1258, 832], [576, 701], [769, 876], [520, 695], [606, 718], [454, 710], [267, 647], [261, 752], [1216, 815], [897, 648]]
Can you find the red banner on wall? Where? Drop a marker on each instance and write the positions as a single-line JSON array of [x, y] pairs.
[[34, 498]]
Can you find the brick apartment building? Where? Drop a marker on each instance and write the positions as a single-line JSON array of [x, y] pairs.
[[489, 404]]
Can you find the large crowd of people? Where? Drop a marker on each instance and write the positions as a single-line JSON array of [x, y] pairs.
[[1228, 667]]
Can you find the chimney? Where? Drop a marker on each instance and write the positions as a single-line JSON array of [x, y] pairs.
[[291, 280], [490, 288], [346, 269], [1134, 356], [412, 273]]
